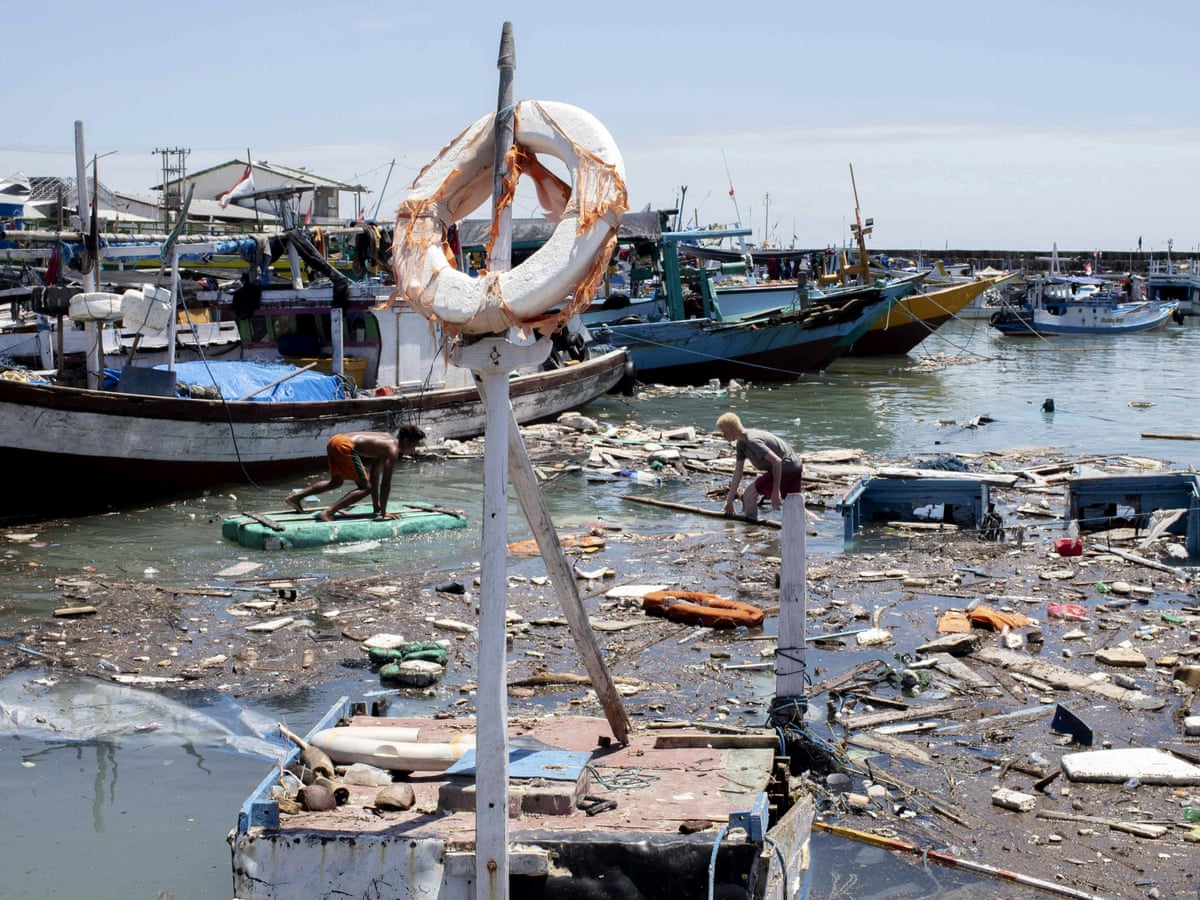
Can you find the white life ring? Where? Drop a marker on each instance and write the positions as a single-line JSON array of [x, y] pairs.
[[588, 213]]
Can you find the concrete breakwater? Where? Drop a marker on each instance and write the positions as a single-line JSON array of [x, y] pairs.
[[1035, 260]]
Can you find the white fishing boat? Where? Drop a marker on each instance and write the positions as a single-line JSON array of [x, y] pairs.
[[1175, 280], [1078, 304]]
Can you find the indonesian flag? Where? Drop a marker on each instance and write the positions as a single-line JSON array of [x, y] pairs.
[[308, 215], [241, 187]]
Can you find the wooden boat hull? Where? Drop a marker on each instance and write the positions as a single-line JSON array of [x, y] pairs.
[[1031, 324], [774, 346], [913, 318], [557, 850], [74, 450]]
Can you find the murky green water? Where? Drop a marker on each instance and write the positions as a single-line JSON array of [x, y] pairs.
[[134, 813]]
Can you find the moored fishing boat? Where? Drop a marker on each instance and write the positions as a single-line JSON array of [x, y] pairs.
[[1173, 280], [779, 333], [774, 346], [1077, 304], [109, 448], [914, 317]]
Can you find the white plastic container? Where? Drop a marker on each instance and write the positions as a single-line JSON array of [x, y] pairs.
[[95, 306], [147, 310]]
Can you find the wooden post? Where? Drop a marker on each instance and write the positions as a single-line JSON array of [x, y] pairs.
[[173, 322], [520, 472], [793, 599], [501, 258], [491, 360], [93, 334], [338, 340]]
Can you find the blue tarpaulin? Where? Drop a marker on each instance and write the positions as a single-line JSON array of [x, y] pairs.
[[235, 379]]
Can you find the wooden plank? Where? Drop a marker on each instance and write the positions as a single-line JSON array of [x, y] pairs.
[[870, 720], [264, 520], [717, 741], [1166, 436], [1063, 679], [891, 747], [272, 625], [1146, 830], [1142, 561], [699, 510], [524, 481], [790, 666], [983, 477]]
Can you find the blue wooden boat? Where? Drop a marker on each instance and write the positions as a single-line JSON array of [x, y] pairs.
[[779, 336], [780, 345]]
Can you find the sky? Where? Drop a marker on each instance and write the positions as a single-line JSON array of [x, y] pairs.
[[1006, 126]]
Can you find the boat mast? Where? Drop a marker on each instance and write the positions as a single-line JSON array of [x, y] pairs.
[[861, 230], [94, 336]]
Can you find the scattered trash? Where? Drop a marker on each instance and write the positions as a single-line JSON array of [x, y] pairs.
[[1066, 722]]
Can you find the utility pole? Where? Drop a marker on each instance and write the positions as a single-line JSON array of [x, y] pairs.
[[766, 219], [174, 169]]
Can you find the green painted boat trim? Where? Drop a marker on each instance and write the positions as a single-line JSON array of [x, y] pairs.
[[293, 530]]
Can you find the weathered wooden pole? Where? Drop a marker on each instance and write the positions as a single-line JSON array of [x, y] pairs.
[[790, 687], [93, 331], [491, 742]]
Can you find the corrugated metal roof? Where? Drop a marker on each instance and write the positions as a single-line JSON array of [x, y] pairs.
[[302, 175]]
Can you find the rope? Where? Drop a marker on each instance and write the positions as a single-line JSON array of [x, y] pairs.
[[626, 780], [711, 356], [712, 860]]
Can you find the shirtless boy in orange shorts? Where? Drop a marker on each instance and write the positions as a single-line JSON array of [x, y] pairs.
[[366, 458]]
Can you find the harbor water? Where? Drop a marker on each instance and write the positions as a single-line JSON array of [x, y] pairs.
[[124, 792]]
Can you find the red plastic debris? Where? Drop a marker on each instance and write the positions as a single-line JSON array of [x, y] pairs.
[[1068, 547]]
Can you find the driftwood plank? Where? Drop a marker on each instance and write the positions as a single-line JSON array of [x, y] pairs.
[[1064, 679], [882, 743], [717, 741], [699, 510], [264, 520], [1167, 436], [1141, 829], [870, 720], [984, 477]]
